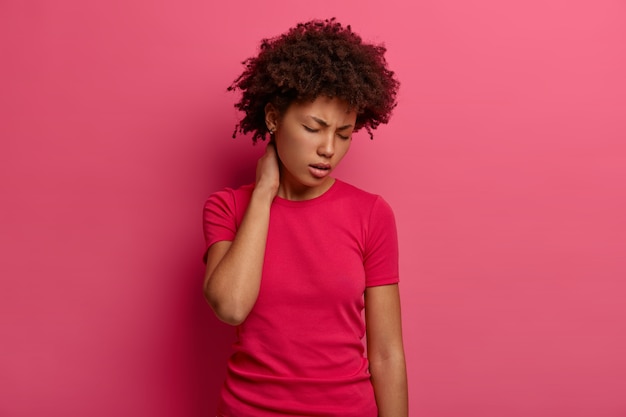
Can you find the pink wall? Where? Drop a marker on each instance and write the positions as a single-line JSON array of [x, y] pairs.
[[505, 164]]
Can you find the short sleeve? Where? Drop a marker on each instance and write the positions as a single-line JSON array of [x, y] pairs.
[[381, 246], [219, 220]]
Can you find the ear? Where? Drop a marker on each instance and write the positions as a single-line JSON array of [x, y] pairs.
[[271, 116]]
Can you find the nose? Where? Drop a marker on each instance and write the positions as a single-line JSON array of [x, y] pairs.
[[327, 147]]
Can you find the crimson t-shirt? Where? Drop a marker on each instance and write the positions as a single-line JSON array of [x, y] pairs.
[[300, 351]]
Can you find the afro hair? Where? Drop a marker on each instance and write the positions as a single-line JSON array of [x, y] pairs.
[[312, 59]]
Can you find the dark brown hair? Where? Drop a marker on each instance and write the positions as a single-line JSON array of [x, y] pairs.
[[312, 59]]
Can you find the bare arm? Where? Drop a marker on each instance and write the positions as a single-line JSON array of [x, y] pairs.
[[385, 350], [233, 269]]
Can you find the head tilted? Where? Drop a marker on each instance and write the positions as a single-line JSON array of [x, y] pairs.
[[313, 59]]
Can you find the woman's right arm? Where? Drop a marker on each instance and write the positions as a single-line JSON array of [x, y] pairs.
[[233, 269]]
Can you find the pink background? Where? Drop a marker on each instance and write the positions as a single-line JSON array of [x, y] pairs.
[[505, 163]]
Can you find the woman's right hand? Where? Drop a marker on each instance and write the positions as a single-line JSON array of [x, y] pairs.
[[267, 172], [234, 268]]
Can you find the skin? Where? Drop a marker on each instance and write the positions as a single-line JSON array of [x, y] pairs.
[[307, 135], [385, 350], [310, 133]]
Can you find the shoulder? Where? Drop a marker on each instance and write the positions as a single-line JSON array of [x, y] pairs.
[[352, 192], [228, 203], [370, 202], [231, 197]]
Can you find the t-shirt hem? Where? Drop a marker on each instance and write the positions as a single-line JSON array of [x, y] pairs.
[[382, 281]]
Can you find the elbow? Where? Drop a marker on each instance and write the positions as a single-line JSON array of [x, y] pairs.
[[231, 317], [229, 312]]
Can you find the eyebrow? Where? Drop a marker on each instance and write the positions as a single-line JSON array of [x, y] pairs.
[[325, 124]]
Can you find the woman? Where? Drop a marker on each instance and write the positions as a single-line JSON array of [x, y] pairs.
[[295, 258]]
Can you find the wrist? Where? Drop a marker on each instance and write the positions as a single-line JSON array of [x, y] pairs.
[[263, 193]]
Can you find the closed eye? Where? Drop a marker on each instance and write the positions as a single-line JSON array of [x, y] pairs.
[[310, 129]]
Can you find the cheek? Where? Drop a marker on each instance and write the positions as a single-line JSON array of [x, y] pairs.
[[345, 147], [284, 149], [280, 152], [290, 146]]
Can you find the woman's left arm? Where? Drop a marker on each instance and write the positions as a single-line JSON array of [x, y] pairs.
[[385, 350]]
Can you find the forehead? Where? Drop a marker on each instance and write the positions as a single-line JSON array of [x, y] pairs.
[[330, 110]]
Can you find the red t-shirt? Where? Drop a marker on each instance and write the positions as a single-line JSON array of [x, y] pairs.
[[300, 351]]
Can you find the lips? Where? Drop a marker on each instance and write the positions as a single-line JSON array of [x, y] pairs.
[[321, 166], [319, 170]]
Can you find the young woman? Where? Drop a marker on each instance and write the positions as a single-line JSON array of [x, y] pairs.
[[295, 258]]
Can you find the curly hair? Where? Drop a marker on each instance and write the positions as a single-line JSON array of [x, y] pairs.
[[312, 59]]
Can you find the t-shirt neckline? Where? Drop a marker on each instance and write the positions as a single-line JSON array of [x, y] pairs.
[[311, 201]]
